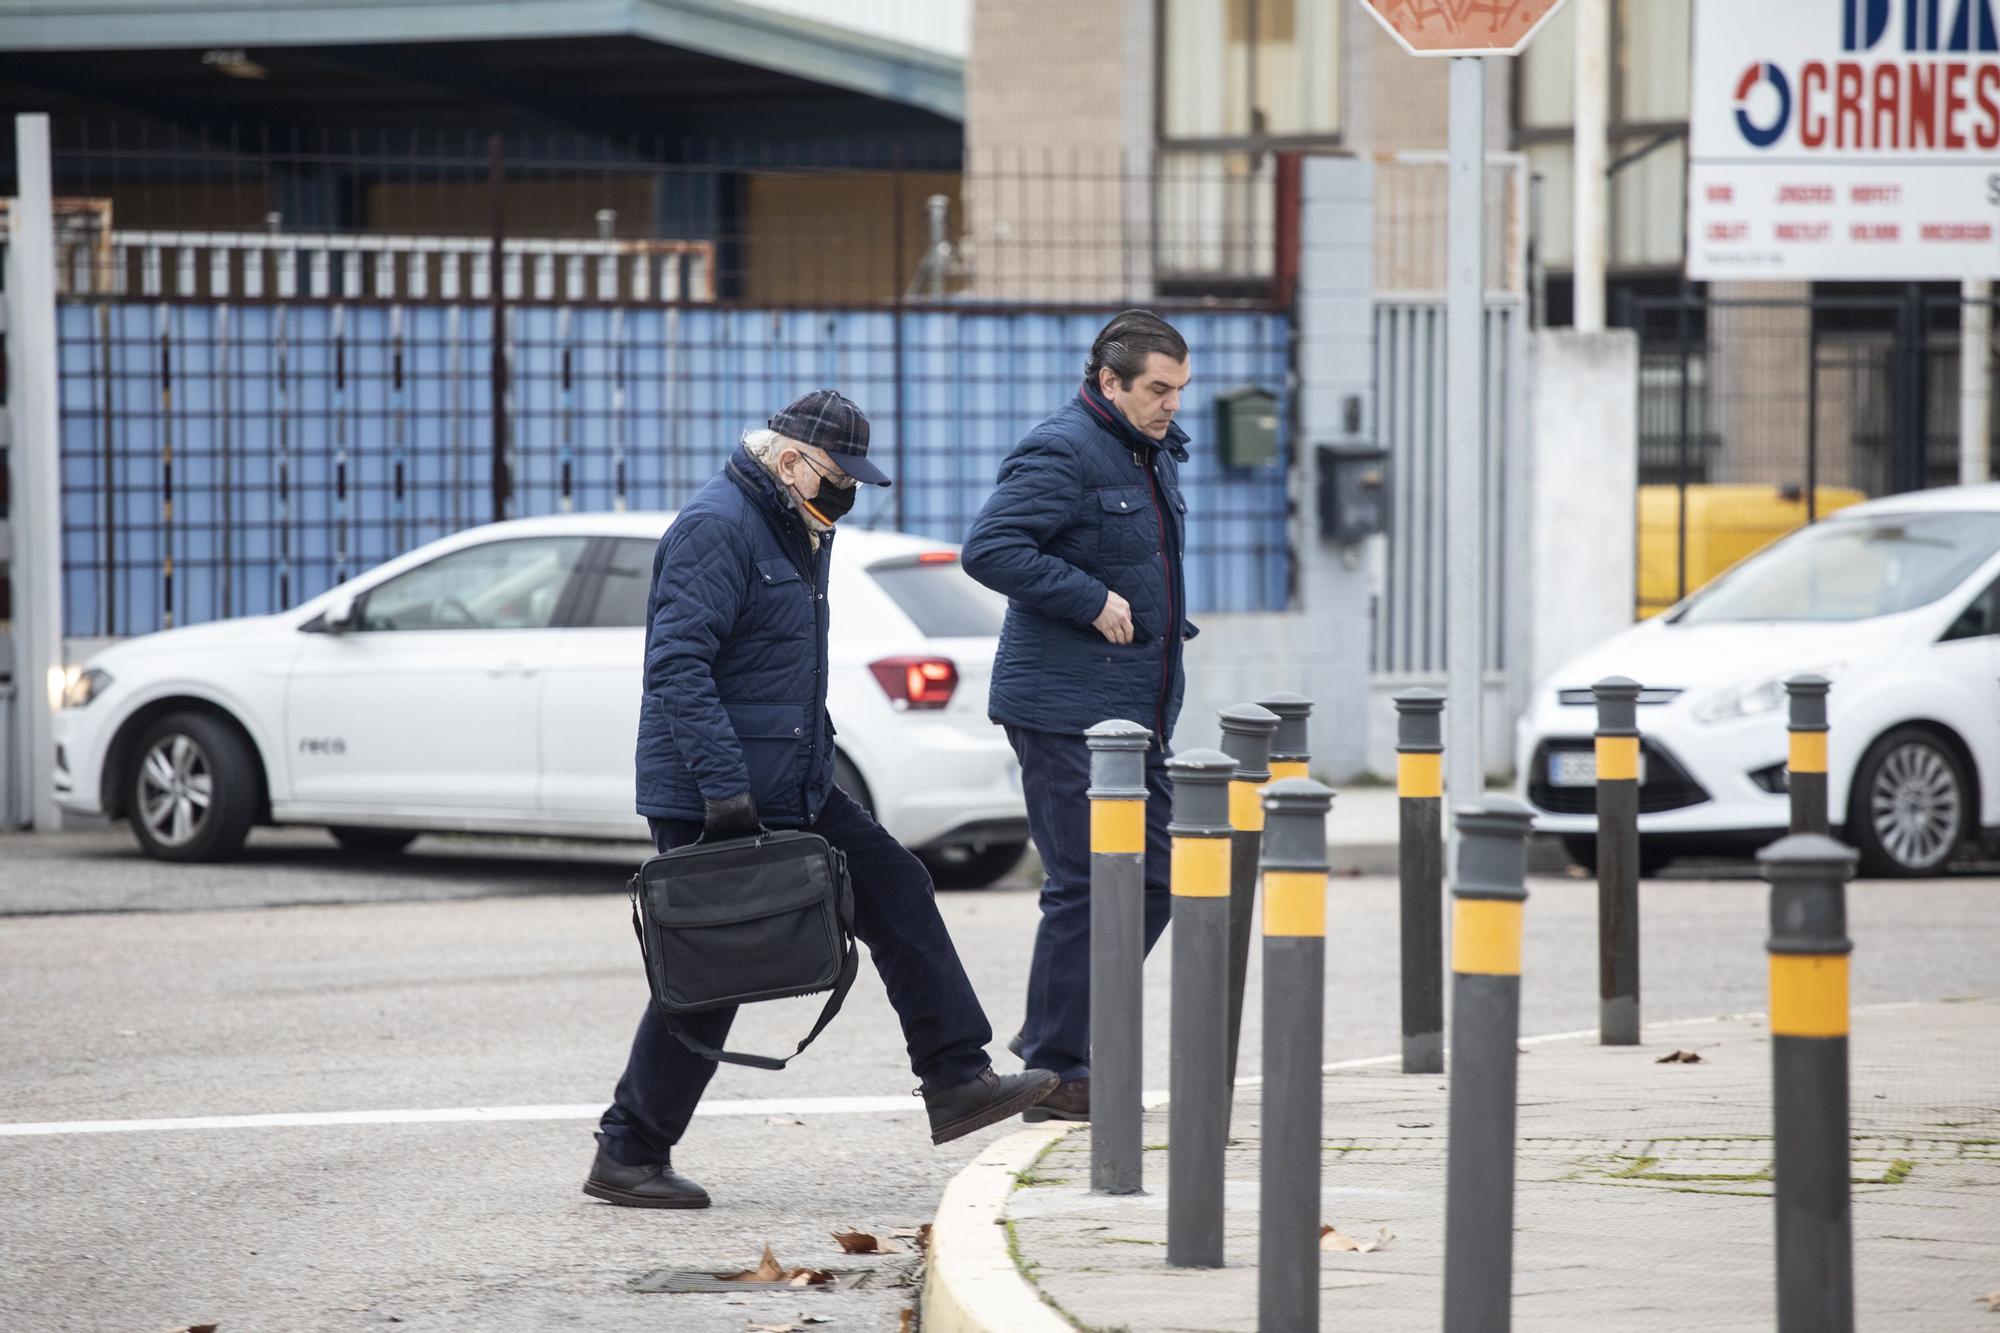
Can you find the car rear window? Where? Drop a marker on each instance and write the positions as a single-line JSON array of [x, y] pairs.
[[939, 597]]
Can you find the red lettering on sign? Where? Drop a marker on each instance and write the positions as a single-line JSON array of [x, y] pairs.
[[1721, 194], [1874, 231], [1954, 103], [1876, 194], [1805, 194], [1923, 106], [1958, 231], [1888, 104], [1812, 123], [1804, 231], [1987, 87], [1847, 105], [1728, 231]]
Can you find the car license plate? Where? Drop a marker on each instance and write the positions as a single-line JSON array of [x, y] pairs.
[[1578, 768]]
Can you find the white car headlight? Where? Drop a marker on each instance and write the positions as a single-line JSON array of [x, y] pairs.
[[1766, 696], [83, 686]]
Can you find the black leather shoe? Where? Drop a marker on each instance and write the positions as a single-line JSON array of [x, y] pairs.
[[1017, 1044], [1071, 1101], [657, 1186], [986, 1100]]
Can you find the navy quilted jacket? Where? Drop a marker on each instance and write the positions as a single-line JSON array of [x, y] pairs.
[[735, 681], [1086, 503]]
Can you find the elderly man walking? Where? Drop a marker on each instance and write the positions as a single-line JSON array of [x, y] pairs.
[[1084, 535], [734, 736]]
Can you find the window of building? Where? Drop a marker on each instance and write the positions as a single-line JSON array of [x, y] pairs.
[[1249, 70]]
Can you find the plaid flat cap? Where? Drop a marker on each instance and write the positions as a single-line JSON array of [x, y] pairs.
[[829, 420]]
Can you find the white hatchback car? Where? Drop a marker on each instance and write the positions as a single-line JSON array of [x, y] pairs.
[[1896, 601], [489, 682]]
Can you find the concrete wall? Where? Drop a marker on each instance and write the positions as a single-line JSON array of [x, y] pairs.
[[1582, 498]]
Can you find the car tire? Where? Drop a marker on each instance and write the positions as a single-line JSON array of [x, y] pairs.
[[181, 759], [371, 842], [1582, 852], [848, 778], [973, 868], [1909, 807]]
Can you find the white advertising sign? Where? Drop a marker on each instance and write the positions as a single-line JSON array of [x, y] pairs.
[[1845, 139]]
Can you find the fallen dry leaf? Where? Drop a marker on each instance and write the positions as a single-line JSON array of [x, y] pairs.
[[783, 1120], [1678, 1058], [866, 1242], [1992, 1299], [808, 1277], [1333, 1238], [907, 1321], [768, 1269], [922, 1235]]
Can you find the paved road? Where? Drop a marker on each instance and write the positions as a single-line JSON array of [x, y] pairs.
[[465, 977]]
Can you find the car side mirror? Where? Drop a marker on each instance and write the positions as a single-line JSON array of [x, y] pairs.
[[340, 616]]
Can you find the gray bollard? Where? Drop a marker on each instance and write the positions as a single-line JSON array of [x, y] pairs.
[[1485, 1030], [1617, 861], [1809, 947], [1247, 730], [1294, 869], [1420, 867], [1117, 952], [1198, 1073], [1805, 762], [1290, 748]]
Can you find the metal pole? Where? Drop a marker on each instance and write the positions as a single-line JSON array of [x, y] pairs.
[[36, 462], [1465, 518], [1420, 864], [1485, 1029], [1617, 861], [1291, 750], [1198, 1074], [1975, 402], [1247, 730], [1117, 951], [496, 269], [1809, 1094], [1294, 867], [1805, 765], [1592, 183]]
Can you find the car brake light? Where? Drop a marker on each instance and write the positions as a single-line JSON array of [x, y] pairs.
[[938, 558], [916, 682]]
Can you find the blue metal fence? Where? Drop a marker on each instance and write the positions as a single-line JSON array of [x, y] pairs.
[[235, 459]]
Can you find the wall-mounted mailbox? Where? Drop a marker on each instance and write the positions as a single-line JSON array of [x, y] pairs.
[[1353, 492], [1246, 426]]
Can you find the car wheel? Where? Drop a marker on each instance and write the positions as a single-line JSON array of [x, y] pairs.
[[372, 841], [973, 868], [848, 778], [1908, 810], [194, 789], [1582, 852]]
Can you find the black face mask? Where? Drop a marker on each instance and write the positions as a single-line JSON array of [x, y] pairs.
[[832, 502]]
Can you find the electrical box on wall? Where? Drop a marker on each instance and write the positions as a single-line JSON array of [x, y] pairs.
[[1353, 492], [1246, 427]]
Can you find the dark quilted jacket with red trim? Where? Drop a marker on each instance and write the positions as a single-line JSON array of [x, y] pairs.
[[1086, 503], [735, 681]]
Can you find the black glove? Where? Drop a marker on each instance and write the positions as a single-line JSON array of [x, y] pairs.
[[735, 817]]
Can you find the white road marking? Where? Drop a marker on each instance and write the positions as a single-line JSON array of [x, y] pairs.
[[772, 1106]]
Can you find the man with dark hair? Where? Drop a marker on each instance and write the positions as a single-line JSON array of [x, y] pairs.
[[1084, 535]]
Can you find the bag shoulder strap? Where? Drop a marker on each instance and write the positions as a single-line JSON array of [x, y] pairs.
[[849, 965]]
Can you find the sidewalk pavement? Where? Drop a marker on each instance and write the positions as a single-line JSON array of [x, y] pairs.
[[1642, 1198]]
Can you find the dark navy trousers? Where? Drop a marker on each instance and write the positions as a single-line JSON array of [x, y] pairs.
[[1055, 774], [895, 915]]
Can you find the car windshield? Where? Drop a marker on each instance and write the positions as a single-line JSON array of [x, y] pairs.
[[939, 597], [1851, 569]]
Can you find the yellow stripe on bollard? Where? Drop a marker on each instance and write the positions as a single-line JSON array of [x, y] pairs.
[[1808, 994], [1486, 937], [1246, 806], [1808, 752], [1200, 868], [1118, 826], [1288, 768], [1294, 902], [1617, 758], [1420, 775]]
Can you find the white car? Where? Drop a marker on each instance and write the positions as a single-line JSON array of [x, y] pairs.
[[1896, 601], [489, 683]]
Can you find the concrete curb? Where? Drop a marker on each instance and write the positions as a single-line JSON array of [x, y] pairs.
[[970, 1282]]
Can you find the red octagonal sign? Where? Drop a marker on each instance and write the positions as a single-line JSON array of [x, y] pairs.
[[1462, 27]]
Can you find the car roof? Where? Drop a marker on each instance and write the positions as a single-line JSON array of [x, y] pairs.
[[869, 544], [1984, 498]]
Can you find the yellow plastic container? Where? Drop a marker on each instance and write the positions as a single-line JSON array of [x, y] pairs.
[[1724, 524]]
